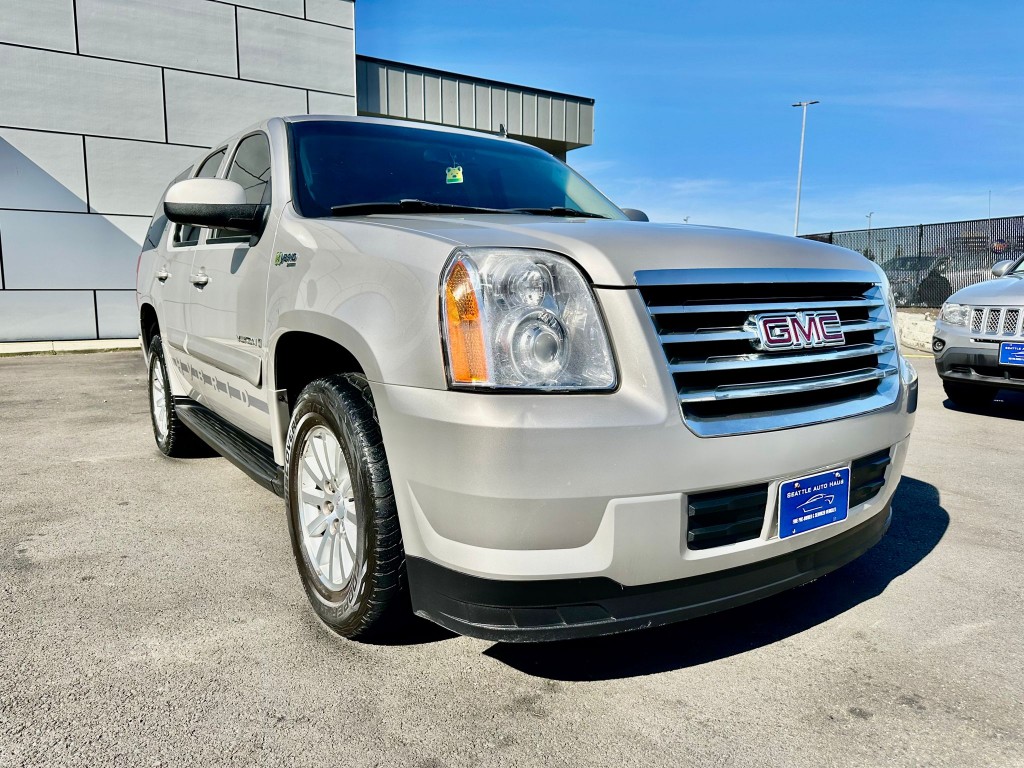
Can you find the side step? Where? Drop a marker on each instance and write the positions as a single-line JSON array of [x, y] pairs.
[[250, 455]]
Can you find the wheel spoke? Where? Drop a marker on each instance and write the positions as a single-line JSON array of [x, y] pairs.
[[338, 552], [330, 562], [351, 528], [314, 471], [347, 555], [339, 465], [313, 498], [348, 545], [322, 464], [318, 526], [324, 544]]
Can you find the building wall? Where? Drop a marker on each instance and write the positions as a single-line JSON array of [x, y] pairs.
[[102, 102]]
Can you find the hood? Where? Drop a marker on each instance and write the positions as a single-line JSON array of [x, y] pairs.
[[611, 251], [998, 291]]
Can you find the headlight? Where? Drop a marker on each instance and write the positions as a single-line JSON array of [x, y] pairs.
[[522, 319], [954, 314]]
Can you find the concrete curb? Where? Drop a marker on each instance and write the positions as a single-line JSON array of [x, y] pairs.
[[915, 330], [17, 348]]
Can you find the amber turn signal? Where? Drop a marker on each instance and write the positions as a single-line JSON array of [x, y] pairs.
[[468, 352]]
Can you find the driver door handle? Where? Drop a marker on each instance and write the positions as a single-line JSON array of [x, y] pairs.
[[199, 278], [162, 275]]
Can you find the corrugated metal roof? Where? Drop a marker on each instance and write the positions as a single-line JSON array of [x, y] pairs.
[[556, 121]]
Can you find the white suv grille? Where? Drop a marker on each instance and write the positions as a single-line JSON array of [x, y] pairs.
[[998, 322]]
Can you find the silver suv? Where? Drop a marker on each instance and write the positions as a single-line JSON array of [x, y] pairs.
[[488, 395], [979, 337]]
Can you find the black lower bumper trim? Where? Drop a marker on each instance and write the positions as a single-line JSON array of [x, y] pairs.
[[978, 366], [534, 611]]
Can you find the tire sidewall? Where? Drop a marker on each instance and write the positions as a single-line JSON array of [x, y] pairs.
[[156, 358], [344, 608]]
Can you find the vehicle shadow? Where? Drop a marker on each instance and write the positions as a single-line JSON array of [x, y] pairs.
[[1009, 404], [919, 523]]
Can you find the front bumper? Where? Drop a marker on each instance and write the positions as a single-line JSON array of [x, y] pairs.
[[537, 611], [553, 488], [963, 359]]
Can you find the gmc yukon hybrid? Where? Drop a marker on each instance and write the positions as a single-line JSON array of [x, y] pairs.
[[488, 394]]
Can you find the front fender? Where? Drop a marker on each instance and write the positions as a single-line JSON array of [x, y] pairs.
[[327, 327]]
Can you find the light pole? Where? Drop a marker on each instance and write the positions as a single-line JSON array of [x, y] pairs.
[[800, 167]]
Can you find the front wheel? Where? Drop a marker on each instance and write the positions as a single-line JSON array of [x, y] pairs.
[[341, 510], [172, 437], [969, 395]]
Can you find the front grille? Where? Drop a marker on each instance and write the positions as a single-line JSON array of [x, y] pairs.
[[996, 321], [727, 386]]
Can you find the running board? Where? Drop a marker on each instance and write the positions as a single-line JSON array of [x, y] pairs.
[[250, 455]]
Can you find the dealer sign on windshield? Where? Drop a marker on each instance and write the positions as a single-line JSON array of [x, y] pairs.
[[798, 330]]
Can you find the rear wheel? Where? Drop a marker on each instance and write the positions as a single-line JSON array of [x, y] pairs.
[[969, 395], [173, 438], [341, 510]]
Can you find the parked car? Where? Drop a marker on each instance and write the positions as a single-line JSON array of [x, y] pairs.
[[979, 337], [906, 274], [488, 393]]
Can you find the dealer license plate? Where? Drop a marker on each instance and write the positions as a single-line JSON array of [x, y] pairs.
[[813, 501], [1011, 353]]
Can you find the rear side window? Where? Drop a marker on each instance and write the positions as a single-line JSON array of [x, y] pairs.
[[250, 168], [186, 234]]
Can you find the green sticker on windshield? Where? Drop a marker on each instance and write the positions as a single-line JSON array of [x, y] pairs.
[[454, 175]]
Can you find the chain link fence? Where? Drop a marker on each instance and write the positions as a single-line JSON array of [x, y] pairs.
[[928, 262]]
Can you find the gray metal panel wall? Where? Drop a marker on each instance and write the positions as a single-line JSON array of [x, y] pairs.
[[391, 89], [97, 116]]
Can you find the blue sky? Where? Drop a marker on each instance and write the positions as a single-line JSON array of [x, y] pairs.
[[921, 113]]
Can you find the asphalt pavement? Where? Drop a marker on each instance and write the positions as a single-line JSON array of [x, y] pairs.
[[151, 614]]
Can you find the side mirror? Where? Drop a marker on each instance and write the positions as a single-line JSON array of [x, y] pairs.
[[1000, 268], [634, 215], [216, 203]]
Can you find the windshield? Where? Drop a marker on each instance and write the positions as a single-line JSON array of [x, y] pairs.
[[339, 163]]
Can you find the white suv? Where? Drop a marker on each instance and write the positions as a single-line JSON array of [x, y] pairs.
[[485, 391]]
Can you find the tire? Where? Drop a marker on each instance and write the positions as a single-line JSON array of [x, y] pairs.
[[172, 437], [969, 395], [342, 516]]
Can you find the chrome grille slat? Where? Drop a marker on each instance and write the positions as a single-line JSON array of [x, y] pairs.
[[703, 320], [772, 359], [739, 334], [765, 306], [810, 384]]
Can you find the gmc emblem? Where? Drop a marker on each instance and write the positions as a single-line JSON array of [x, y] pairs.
[[798, 330]]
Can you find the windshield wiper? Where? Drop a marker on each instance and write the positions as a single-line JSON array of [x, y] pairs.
[[407, 206], [557, 210]]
